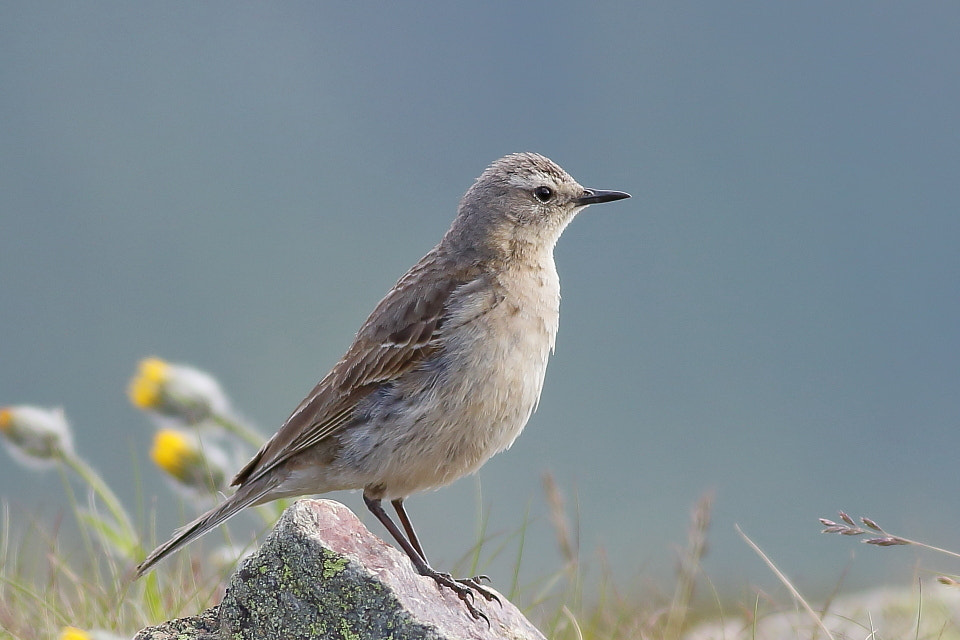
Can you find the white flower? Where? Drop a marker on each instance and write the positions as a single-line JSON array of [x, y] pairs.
[[34, 436], [177, 391]]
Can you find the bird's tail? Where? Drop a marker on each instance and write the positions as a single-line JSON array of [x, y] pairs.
[[243, 498]]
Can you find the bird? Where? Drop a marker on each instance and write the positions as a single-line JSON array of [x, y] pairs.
[[443, 374]]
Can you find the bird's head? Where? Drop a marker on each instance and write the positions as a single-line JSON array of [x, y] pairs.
[[522, 201]]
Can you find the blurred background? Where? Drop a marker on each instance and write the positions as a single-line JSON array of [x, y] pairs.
[[774, 315]]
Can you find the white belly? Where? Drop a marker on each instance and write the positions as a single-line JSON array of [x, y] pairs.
[[483, 390]]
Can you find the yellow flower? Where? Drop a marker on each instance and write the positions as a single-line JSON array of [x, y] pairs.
[[182, 457], [177, 391], [146, 388], [72, 633], [174, 452], [35, 436]]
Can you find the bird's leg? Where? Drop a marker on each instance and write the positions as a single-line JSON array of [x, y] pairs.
[[473, 583], [463, 591], [408, 527]]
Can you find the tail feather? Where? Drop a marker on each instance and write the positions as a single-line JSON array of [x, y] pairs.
[[243, 498]]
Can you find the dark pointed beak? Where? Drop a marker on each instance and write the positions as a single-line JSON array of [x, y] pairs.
[[596, 196]]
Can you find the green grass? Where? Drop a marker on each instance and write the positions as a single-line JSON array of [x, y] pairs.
[[55, 573], [76, 569]]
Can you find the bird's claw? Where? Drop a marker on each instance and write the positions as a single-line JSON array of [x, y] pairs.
[[475, 586], [464, 592]]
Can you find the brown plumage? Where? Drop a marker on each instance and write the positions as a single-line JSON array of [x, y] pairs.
[[443, 374]]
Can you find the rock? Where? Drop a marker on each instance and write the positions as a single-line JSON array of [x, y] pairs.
[[205, 626], [321, 574]]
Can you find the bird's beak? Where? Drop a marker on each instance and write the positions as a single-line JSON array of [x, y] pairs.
[[596, 196]]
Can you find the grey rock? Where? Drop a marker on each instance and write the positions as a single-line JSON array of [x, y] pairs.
[[205, 626], [321, 574]]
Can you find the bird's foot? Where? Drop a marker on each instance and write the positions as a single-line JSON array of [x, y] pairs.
[[465, 590], [475, 583]]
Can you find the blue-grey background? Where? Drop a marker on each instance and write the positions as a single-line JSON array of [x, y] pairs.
[[773, 316]]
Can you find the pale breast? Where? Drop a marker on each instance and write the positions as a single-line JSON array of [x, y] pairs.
[[498, 362], [445, 420]]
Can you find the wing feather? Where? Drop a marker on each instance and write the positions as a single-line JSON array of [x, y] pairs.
[[399, 334]]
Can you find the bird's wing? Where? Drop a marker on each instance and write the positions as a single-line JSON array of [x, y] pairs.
[[398, 335]]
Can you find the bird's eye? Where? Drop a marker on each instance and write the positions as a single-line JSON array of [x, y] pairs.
[[543, 194]]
